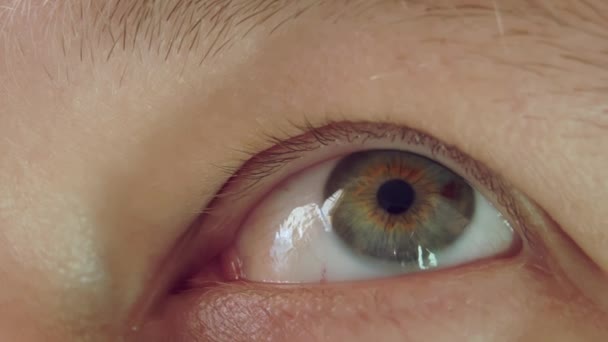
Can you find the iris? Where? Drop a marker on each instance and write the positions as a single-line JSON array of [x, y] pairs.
[[395, 205]]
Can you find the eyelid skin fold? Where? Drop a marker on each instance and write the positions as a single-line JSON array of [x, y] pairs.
[[262, 171], [346, 137]]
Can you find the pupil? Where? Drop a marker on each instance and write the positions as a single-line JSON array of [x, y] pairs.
[[395, 196]]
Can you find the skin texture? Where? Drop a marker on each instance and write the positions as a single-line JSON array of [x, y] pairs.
[[111, 136]]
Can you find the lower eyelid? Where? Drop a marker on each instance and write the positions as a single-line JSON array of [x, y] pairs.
[[222, 311], [412, 306]]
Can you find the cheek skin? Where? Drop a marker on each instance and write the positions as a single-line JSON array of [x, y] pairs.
[[500, 301]]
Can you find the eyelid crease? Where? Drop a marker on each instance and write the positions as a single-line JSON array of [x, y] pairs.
[[257, 166], [279, 151]]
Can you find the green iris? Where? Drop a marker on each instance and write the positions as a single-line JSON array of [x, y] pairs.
[[395, 205]]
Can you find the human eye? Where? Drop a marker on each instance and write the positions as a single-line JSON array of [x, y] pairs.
[[370, 213], [362, 201], [500, 250]]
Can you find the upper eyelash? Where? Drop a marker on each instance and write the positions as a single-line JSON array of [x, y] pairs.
[[257, 166]]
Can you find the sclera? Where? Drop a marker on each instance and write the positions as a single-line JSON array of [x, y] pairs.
[[287, 238]]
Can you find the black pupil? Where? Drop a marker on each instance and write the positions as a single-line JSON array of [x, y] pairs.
[[395, 196]]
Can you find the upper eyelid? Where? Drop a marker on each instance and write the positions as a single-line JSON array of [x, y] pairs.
[[263, 163], [280, 151]]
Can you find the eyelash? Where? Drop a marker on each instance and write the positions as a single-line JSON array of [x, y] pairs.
[[259, 166]]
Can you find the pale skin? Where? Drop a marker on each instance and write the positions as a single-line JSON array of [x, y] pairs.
[[110, 146]]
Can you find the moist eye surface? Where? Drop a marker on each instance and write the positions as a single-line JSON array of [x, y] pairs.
[[358, 201], [397, 206]]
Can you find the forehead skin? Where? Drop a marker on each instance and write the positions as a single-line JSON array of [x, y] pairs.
[[111, 113]]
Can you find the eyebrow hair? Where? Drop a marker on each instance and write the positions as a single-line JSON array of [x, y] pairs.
[[208, 27], [194, 31], [164, 27], [187, 24]]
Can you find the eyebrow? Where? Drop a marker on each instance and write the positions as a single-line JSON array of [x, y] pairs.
[[208, 27], [170, 27]]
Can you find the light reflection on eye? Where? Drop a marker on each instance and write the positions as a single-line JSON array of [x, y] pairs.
[[370, 214]]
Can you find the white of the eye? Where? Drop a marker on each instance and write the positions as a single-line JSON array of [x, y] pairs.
[[288, 238], [312, 252]]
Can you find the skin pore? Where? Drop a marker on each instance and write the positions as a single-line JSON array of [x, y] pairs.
[[115, 115]]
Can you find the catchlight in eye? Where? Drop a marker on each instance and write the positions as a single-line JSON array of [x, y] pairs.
[[395, 204], [369, 214]]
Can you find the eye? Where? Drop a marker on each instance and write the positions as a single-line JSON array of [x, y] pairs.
[[365, 214]]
